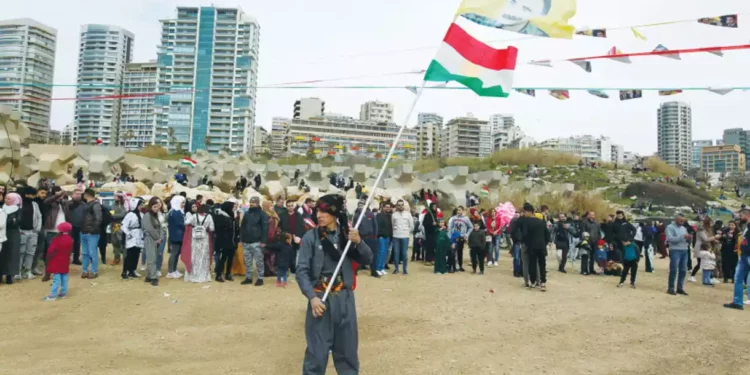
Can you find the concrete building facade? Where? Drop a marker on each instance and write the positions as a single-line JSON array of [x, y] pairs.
[[675, 133], [137, 112], [465, 137], [727, 158], [307, 108], [376, 111]]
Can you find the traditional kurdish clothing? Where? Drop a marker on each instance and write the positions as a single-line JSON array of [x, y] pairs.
[[336, 331]]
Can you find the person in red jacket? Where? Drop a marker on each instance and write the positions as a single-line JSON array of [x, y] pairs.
[[58, 261]]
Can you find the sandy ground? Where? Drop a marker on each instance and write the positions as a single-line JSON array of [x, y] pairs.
[[417, 324]]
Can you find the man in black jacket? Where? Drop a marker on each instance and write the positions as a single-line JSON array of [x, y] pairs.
[[90, 233], [226, 238], [536, 237], [254, 233], [292, 222], [368, 230], [385, 232], [622, 231]]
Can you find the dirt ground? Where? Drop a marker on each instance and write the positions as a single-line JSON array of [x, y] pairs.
[[417, 324]]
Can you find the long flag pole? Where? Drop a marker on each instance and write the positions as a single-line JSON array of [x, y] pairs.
[[375, 185]]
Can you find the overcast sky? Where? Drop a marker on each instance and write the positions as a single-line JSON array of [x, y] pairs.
[[305, 40]]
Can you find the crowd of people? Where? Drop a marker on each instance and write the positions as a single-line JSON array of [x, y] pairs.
[[220, 241]]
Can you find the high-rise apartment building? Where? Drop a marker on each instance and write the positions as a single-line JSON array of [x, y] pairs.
[[208, 61], [261, 141], [695, 159], [376, 111], [428, 140], [429, 118], [501, 121], [307, 108], [27, 64], [675, 133], [279, 142], [726, 158], [739, 137], [465, 137], [137, 112], [103, 53], [504, 137]]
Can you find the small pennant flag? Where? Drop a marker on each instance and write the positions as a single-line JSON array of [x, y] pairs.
[[412, 89], [485, 192], [637, 34], [583, 64], [717, 53], [560, 94], [614, 51], [186, 161], [669, 92], [630, 94], [464, 59], [529, 92], [729, 20], [720, 91], [596, 33], [546, 63], [598, 93], [661, 48]]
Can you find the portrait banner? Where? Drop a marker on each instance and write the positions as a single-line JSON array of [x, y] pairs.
[[544, 18]]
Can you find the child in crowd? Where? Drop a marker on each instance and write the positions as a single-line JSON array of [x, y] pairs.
[[442, 248], [584, 251], [284, 258], [601, 255], [58, 261], [708, 263], [477, 246], [631, 256], [455, 236]]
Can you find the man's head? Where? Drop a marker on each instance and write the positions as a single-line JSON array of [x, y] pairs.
[[89, 195], [254, 202], [528, 210], [76, 195], [561, 218], [620, 215], [476, 226], [290, 206], [199, 198], [731, 21], [29, 192], [744, 215], [544, 209], [361, 204], [679, 219], [280, 201], [399, 205], [310, 203], [387, 207], [42, 193], [330, 209]]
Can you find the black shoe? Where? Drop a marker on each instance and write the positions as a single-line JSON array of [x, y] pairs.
[[132, 275], [682, 292], [219, 279], [395, 272], [374, 274], [462, 270], [124, 276], [259, 282], [228, 278], [452, 271], [148, 280], [246, 282], [733, 306], [563, 271], [9, 280], [155, 282], [77, 262], [386, 267], [671, 293]]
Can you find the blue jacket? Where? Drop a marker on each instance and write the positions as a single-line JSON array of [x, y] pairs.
[[176, 226]]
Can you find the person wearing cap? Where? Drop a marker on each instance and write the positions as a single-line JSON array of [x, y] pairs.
[[30, 225], [253, 234], [679, 242], [330, 326]]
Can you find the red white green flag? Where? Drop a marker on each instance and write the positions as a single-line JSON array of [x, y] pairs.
[[186, 161], [464, 59]]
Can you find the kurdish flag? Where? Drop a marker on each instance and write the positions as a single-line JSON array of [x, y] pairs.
[[188, 162], [462, 58]]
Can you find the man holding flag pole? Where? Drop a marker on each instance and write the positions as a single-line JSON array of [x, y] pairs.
[[331, 321]]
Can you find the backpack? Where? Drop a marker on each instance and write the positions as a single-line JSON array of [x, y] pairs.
[[199, 231]]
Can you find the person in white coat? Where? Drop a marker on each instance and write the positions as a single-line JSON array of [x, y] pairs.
[[403, 226], [132, 229], [201, 243]]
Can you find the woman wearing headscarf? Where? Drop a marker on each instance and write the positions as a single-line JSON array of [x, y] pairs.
[[10, 254], [176, 223], [119, 210], [151, 239], [226, 239], [132, 229], [273, 231], [199, 246]]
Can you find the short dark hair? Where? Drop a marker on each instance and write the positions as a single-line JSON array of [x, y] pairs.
[[387, 203], [544, 207], [184, 194], [309, 200], [198, 197], [90, 192]]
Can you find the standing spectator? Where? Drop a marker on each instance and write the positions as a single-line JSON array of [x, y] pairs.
[[292, 222], [368, 230], [226, 239], [562, 240], [76, 207], [729, 257], [679, 240], [57, 212], [90, 231], [535, 237], [257, 182], [708, 263], [30, 226], [102, 244], [442, 248], [79, 176], [477, 245], [253, 233], [385, 232], [176, 231], [273, 231], [58, 261], [461, 224], [704, 234], [631, 256], [493, 228], [152, 238], [284, 253], [743, 267], [307, 210], [41, 239], [119, 211], [403, 226], [418, 239], [592, 227], [430, 225], [10, 237]]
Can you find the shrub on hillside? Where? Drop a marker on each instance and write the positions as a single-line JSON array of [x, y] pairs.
[[662, 194], [657, 165], [528, 156], [579, 201]]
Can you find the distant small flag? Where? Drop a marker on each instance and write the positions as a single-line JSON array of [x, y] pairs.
[[630, 94], [485, 192], [186, 161], [412, 89], [661, 48], [560, 94], [729, 20], [583, 64], [614, 51], [528, 92], [720, 91], [99, 141], [669, 92], [637, 34], [717, 53], [598, 93], [596, 33]]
